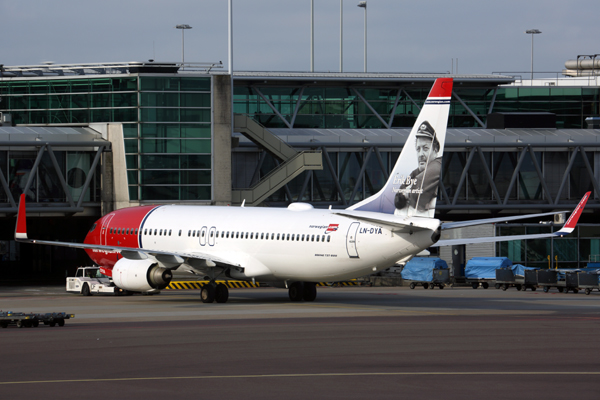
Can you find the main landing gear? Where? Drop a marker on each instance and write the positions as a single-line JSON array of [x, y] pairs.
[[214, 292], [306, 291]]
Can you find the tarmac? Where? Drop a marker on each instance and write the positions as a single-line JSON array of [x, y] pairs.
[[351, 343]]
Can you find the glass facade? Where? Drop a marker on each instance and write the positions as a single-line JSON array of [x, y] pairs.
[[474, 189], [343, 107], [572, 251], [167, 125]]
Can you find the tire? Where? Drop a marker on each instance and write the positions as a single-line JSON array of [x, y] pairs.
[[207, 293], [426, 286], [20, 324], [533, 288], [519, 287], [412, 285], [474, 285], [588, 291], [485, 285], [85, 290], [504, 288], [221, 293], [52, 324], [35, 323], [575, 290], [441, 286], [546, 289], [431, 286], [4, 324], [296, 291], [60, 322], [497, 286], [560, 289], [310, 291]]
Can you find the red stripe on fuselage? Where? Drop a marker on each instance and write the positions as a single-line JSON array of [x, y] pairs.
[[118, 229]]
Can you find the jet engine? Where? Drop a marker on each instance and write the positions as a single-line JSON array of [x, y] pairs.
[[140, 275]]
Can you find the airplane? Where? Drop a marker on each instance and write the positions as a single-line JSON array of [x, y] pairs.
[[294, 247]]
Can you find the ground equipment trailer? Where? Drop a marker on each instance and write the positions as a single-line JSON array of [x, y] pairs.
[[89, 280], [482, 270], [428, 272], [29, 320], [518, 276]]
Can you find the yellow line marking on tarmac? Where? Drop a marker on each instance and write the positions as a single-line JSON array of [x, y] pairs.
[[315, 375]]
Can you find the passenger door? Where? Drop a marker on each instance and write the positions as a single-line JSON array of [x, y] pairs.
[[351, 240]]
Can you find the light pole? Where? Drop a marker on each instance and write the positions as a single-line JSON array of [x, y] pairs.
[[312, 35], [341, 35], [532, 32], [363, 4], [183, 27]]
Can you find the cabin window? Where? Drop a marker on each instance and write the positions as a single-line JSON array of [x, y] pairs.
[[110, 230], [317, 238], [278, 236], [127, 231], [237, 235], [272, 236], [222, 234], [262, 236], [328, 239], [252, 235], [170, 230], [323, 238], [312, 239], [155, 231], [288, 237], [203, 232], [212, 233], [93, 227], [136, 231], [227, 234]]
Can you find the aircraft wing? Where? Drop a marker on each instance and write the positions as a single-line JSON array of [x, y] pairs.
[[565, 230], [173, 259]]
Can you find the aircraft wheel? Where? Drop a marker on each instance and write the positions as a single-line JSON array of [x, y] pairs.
[[310, 291], [207, 294], [221, 293], [296, 291]]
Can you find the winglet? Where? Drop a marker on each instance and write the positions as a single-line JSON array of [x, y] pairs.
[[572, 221], [21, 228]]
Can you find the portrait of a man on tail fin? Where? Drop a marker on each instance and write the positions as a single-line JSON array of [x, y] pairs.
[[418, 191]]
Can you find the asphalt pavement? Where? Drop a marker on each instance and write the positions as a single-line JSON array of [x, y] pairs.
[[351, 343]]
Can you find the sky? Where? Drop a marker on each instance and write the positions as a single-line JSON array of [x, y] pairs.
[[481, 36]]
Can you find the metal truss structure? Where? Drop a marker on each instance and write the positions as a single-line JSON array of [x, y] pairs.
[[72, 205]]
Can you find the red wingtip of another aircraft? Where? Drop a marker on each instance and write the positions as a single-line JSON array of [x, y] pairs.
[[572, 221], [442, 87], [21, 229]]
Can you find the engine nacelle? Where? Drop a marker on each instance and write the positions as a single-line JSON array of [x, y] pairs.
[[140, 275]]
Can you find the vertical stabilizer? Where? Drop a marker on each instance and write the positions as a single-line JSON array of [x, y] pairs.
[[412, 187]]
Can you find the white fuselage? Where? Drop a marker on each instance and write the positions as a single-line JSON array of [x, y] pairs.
[[281, 244]]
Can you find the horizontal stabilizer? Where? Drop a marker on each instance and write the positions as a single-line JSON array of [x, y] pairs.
[[565, 230]]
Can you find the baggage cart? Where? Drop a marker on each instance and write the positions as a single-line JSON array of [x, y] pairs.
[[33, 320], [428, 272], [587, 281]]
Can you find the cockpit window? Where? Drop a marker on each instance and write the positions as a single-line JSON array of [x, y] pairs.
[[93, 227]]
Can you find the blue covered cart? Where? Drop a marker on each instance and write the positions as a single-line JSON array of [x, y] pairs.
[[482, 270], [426, 271]]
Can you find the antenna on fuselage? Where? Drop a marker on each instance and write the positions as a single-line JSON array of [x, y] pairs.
[[243, 202]]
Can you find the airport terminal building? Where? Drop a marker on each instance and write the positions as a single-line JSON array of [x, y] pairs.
[[82, 140]]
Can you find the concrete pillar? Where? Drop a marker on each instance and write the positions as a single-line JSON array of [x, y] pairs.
[[222, 129]]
